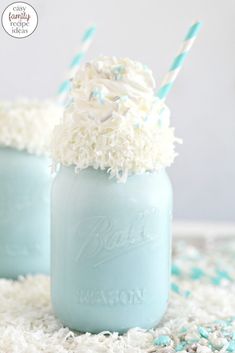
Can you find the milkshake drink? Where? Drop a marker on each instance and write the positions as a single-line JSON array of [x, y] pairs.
[[112, 200], [25, 180]]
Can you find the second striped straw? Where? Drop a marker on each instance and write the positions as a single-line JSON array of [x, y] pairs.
[[177, 64], [75, 63]]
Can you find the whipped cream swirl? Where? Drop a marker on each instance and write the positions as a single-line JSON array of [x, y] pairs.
[[114, 121]]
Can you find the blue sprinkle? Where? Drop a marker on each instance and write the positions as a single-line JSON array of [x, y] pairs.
[[197, 273], [97, 93], [183, 330], [223, 274], [203, 332], [118, 72], [187, 293], [175, 288], [162, 341], [216, 280], [231, 346], [180, 346], [175, 270]]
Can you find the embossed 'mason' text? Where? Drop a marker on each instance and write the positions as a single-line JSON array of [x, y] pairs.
[[110, 297], [15, 250]]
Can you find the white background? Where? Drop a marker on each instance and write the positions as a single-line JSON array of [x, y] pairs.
[[202, 101]]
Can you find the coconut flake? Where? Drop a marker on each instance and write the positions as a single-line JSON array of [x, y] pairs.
[[28, 124], [28, 324]]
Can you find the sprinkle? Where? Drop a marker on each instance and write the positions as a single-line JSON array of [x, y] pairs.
[[231, 346], [203, 332], [183, 330], [223, 274], [197, 273], [180, 346], [187, 293], [175, 288], [216, 281], [97, 94], [175, 270], [162, 341], [118, 72]]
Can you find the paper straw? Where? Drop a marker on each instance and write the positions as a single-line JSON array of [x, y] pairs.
[[75, 63], [177, 64]]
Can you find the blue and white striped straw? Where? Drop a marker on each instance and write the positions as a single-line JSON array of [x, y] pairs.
[[177, 64], [75, 63]]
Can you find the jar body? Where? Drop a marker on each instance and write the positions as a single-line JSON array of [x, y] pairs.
[[25, 183], [111, 249]]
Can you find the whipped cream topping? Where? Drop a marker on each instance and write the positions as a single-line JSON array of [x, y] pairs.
[[114, 121], [28, 124]]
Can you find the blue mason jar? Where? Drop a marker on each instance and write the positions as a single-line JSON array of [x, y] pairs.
[[25, 183], [111, 249]]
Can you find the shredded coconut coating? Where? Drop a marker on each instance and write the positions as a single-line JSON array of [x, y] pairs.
[[114, 121], [28, 125]]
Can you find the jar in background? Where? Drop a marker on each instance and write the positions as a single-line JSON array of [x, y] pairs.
[[25, 182]]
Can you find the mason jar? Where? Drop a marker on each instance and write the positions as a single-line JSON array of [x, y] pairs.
[[110, 249], [25, 182]]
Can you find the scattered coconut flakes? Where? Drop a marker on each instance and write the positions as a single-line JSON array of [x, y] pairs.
[[28, 325], [28, 124]]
